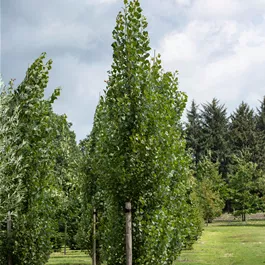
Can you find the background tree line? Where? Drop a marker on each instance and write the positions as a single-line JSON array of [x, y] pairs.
[[235, 144]]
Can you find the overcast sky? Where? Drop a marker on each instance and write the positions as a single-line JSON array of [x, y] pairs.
[[218, 47]]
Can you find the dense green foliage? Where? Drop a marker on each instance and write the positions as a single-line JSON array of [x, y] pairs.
[[67, 171], [243, 130], [137, 142], [215, 133], [210, 188], [29, 151], [245, 181], [10, 194]]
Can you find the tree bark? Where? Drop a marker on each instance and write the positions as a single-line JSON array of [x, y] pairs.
[[243, 217], [94, 258], [65, 237], [128, 209], [9, 228]]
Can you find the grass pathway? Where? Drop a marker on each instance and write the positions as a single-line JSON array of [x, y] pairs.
[[225, 243]]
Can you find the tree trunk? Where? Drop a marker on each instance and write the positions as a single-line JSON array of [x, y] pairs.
[[243, 217], [128, 209], [94, 257], [9, 229], [65, 237]]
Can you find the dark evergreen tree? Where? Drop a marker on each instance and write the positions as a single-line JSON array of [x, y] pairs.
[[215, 134], [194, 132], [260, 129], [243, 136]]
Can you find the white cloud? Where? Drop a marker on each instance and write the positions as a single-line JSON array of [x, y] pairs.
[[216, 8], [214, 59], [226, 9], [178, 46], [183, 2]]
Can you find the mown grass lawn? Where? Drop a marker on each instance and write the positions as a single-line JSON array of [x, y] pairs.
[[222, 243], [72, 257], [228, 243]]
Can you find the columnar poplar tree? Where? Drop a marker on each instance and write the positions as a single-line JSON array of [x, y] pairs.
[[92, 192], [7, 134], [29, 157], [11, 190], [140, 154], [67, 174]]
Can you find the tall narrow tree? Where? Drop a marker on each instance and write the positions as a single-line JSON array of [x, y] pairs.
[[29, 154], [141, 152], [194, 132], [260, 130]]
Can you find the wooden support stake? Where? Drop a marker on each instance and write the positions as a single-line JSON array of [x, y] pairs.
[[94, 258], [65, 237], [9, 230], [128, 210]]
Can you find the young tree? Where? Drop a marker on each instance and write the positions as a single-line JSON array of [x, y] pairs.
[[244, 184], [92, 192], [210, 189], [67, 171], [141, 152], [10, 194], [29, 157], [11, 189]]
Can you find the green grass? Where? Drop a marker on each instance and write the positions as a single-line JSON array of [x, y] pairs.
[[72, 257], [222, 243], [228, 243]]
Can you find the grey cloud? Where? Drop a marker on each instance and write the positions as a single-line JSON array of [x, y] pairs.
[[77, 35]]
